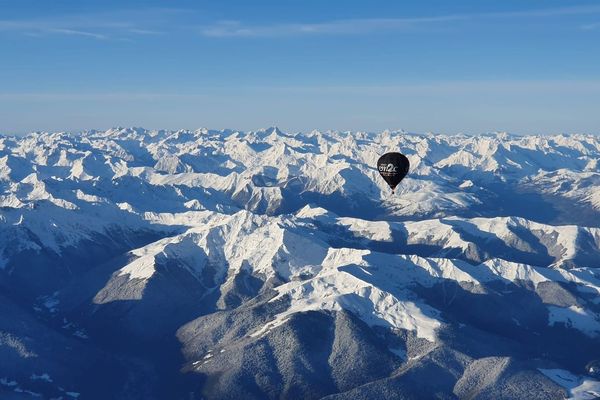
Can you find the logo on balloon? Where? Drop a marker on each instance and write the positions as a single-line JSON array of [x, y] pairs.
[[388, 168]]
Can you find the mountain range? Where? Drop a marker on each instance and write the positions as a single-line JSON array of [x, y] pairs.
[[139, 264]]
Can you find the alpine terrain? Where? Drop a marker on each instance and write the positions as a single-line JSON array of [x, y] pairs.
[[139, 264]]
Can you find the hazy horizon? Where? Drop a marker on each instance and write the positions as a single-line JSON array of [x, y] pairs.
[[293, 131]]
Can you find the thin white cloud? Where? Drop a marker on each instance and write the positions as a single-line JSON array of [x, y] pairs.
[[373, 25], [138, 31], [77, 33], [338, 27], [547, 12], [101, 25], [78, 26]]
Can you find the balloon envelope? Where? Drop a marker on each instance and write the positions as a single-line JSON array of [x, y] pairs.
[[393, 167]]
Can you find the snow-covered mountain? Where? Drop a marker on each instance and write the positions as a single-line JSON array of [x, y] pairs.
[[141, 264]]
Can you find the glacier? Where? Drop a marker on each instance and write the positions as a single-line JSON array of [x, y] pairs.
[[221, 264]]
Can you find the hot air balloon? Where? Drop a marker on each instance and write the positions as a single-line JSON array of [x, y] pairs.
[[393, 167]]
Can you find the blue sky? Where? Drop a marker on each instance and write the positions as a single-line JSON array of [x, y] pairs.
[[443, 66]]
